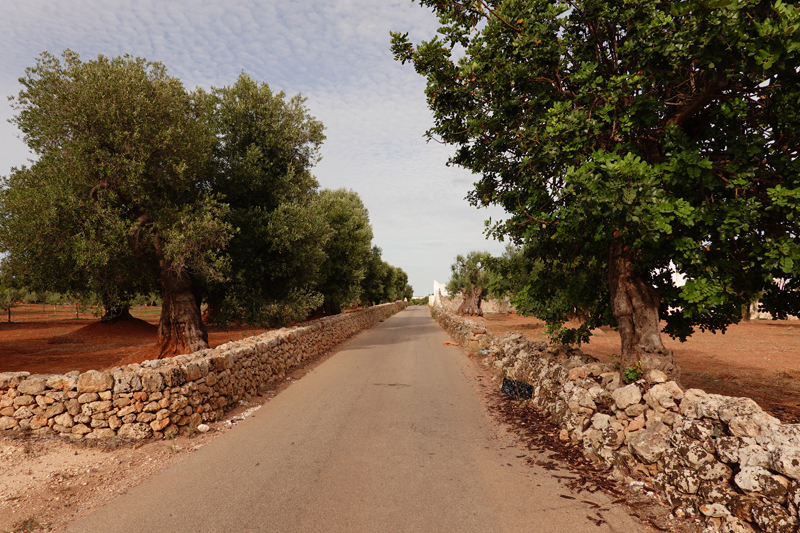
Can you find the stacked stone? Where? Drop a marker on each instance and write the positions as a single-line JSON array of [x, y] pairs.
[[720, 459], [166, 397], [470, 333]]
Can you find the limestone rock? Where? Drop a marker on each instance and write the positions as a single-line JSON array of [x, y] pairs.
[[793, 498], [64, 420], [8, 379], [786, 460], [776, 489], [152, 381], [158, 425], [651, 443], [744, 426], [714, 510], [600, 421], [126, 382], [22, 413], [635, 410], [753, 455], [733, 407], [62, 383], [24, 401], [32, 385], [656, 376], [691, 399], [663, 396], [92, 408], [722, 493], [94, 381], [135, 431], [54, 409], [751, 478], [698, 429], [715, 471], [100, 433], [627, 396], [734, 524], [8, 422], [772, 518], [81, 429], [685, 480]]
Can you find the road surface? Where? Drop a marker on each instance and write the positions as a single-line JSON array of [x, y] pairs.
[[387, 435]]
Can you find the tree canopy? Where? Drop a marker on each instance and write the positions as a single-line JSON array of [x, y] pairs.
[[349, 249], [628, 142], [140, 186], [266, 146], [116, 202], [470, 278]]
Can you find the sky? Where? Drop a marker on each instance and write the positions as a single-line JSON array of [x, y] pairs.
[[336, 53]]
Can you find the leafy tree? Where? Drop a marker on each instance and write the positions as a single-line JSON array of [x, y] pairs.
[[266, 146], [400, 289], [116, 202], [470, 278], [529, 281], [628, 141], [347, 252], [373, 288]]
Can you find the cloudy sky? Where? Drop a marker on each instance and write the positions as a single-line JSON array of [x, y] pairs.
[[334, 52]]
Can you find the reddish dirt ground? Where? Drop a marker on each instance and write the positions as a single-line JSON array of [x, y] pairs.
[[757, 358], [48, 340]]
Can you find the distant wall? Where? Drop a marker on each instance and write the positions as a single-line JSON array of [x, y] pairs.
[[167, 396], [722, 460]]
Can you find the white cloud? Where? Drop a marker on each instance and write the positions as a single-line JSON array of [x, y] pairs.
[[335, 52]]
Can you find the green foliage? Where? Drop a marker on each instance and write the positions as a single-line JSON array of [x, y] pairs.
[[117, 193], [266, 145], [633, 372], [419, 301], [136, 178], [469, 271], [667, 129], [553, 292], [348, 251], [373, 286]]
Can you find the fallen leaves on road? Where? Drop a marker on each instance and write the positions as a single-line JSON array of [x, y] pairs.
[[448, 343], [535, 432]]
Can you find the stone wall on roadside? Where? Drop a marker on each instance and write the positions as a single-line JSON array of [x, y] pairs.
[[164, 397], [720, 459]]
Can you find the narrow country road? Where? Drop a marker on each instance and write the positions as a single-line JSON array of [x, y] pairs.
[[387, 435]]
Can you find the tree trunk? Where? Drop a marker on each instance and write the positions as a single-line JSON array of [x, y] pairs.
[[472, 302], [181, 329], [635, 306]]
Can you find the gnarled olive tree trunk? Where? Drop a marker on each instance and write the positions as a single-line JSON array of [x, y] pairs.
[[635, 306], [181, 329], [471, 306]]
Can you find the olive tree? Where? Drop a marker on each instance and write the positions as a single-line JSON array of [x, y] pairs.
[[347, 252], [116, 201], [470, 278], [266, 145]]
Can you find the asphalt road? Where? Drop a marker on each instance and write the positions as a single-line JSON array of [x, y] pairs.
[[387, 435]]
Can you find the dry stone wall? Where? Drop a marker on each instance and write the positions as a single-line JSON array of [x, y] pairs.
[[720, 459], [167, 396]]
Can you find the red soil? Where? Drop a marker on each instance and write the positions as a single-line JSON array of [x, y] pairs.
[[757, 358], [49, 343]]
